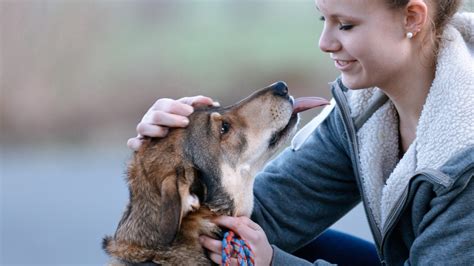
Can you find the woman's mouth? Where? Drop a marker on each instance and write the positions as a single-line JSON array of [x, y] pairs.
[[344, 65]]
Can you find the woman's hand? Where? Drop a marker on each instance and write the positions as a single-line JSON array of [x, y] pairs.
[[246, 229], [165, 113]]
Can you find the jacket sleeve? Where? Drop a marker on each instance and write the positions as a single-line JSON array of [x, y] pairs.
[[302, 192], [280, 257], [446, 233]]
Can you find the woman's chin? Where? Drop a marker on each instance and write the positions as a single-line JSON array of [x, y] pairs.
[[353, 83]]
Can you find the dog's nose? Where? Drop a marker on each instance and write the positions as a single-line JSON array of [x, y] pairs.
[[280, 88]]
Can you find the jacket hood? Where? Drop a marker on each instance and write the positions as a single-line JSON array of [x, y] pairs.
[[445, 126]]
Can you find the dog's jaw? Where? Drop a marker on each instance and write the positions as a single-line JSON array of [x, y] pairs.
[[238, 182], [237, 176]]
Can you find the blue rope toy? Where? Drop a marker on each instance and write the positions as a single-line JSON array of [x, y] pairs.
[[232, 245]]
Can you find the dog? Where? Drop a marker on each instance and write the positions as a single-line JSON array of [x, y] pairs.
[[178, 183]]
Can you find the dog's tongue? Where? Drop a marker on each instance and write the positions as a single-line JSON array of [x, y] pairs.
[[305, 103]]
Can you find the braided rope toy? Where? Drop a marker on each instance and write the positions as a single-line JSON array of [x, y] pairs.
[[232, 245]]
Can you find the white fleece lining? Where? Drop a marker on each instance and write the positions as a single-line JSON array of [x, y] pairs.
[[445, 126], [378, 153]]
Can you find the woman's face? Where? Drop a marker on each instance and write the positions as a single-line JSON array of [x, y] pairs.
[[366, 39]]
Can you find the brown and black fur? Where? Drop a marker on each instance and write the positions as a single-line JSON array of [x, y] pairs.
[[179, 182]]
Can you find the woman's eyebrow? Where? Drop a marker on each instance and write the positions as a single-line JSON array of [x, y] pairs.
[[336, 15], [340, 16]]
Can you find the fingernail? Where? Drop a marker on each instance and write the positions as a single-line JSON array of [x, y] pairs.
[[134, 144], [190, 109], [185, 121], [216, 104]]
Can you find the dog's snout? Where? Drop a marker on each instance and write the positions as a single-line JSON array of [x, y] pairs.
[[280, 89]]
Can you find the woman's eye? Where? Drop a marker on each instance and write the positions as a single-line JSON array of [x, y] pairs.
[[346, 27], [225, 127]]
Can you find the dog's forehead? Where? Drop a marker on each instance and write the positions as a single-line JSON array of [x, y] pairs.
[[200, 120], [207, 110], [200, 138]]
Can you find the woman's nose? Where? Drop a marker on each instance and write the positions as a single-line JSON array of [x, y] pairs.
[[328, 43]]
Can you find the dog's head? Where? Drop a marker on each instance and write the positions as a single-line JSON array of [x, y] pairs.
[[211, 163], [227, 146]]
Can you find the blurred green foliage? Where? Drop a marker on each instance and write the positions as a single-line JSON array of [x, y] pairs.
[[87, 70], [82, 71]]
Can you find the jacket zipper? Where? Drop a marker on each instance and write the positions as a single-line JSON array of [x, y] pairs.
[[342, 102], [394, 215]]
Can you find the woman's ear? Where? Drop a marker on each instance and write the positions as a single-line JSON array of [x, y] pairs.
[[416, 16]]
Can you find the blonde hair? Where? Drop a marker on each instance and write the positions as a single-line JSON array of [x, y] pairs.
[[444, 10]]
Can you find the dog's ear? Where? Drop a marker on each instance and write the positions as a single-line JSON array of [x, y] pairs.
[[191, 191], [170, 216], [179, 195]]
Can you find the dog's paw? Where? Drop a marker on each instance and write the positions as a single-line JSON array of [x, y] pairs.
[[211, 229], [217, 232]]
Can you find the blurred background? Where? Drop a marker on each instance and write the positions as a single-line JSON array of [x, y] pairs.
[[77, 76]]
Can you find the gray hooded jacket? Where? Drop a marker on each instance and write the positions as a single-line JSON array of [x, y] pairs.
[[420, 208]]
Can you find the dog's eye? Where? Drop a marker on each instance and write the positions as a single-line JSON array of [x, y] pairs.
[[225, 127]]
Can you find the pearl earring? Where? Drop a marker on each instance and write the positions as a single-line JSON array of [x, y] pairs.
[[409, 35]]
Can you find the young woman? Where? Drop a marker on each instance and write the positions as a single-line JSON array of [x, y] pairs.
[[400, 137]]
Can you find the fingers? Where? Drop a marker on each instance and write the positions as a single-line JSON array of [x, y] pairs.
[[134, 143], [217, 258], [150, 130], [198, 100], [242, 226], [172, 106], [172, 113], [211, 244], [164, 114], [249, 231], [215, 249], [163, 118]]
